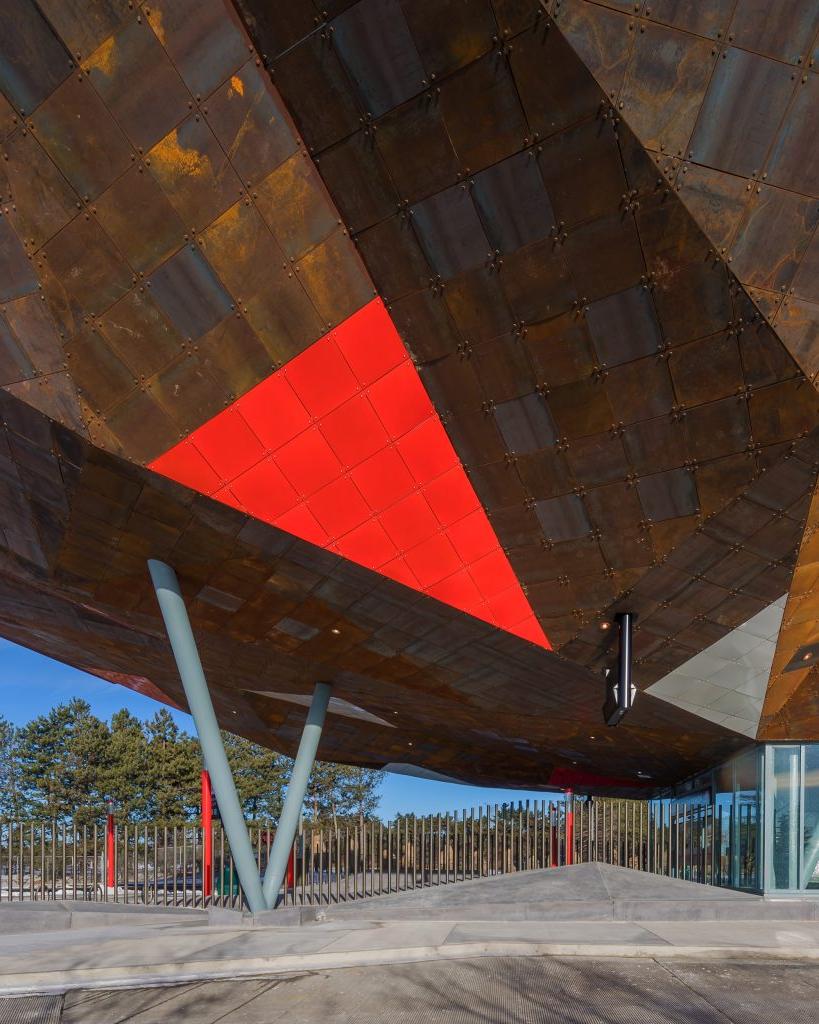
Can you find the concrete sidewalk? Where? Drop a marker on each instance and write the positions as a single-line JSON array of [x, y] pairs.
[[596, 913]]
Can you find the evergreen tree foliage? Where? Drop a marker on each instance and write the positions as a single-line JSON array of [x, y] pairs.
[[68, 764]]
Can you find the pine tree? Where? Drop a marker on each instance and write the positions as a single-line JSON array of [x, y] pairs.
[[9, 771], [172, 782], [58, 758], [127, 767]]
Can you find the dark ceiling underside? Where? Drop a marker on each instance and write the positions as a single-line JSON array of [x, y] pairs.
[[594, 226]]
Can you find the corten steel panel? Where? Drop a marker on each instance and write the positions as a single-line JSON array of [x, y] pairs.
[[754, 125], [81, 137], [258, 596], [163, 128], [43, 201], [138, 82], [34, 61], [790, 709]]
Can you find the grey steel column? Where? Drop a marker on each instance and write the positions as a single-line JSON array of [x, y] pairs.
[[296, 790], [195, 685]]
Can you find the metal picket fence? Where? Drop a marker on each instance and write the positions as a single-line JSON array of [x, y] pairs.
[[163, 866]]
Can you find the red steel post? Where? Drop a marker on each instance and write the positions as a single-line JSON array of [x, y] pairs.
[[110, 880], [569, 827], [207, 835]]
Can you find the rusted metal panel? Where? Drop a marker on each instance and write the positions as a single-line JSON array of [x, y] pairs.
[[479, 307], [235, 356], [601, 37], [513, 203], [249, 120], [598, 459], [37, 333], [335, 278], [43, 201], [136, 199], [706, 370], [450, 232], [624, 326], [416, 149], [101, 377], [188, 392], [483, 134], [296, 207], [667, 496], [204, 38], [556, 90], [241, 249], [776, 231], [537, 282], [14, 364], [189, 293], [525, 424], [665, 83], [504, 369], [604, 256], [783, 410], [693, 301], [379, 53], [798, 326], [741, 112], [710, 20], [356, 176], [583, 171], [54, 395], [806, 281], [139, 334], [318, 90], [718, 428], [792, 164], [785, 31], [394, 258], [88, 265], [282, 315], [138, 82], [471, 32], [716, 199], [17, 275], [79, 134], [33, 61], [194, 173]]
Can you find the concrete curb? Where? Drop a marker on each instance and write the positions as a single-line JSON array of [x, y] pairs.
[[51, 982]]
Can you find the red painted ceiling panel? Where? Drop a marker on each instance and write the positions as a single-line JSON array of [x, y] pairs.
[[343, 448]]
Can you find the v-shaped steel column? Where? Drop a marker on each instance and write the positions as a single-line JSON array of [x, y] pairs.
[[183, 644], [296, 790]]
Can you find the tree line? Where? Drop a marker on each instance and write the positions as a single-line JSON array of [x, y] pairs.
[[69, 763]]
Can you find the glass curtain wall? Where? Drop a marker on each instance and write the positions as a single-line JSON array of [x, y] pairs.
[[792, 817], [734, 791]]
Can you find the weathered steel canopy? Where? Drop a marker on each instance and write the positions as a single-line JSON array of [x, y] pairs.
[[494, 318]]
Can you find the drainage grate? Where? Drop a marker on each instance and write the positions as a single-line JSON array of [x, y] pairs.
[[31, 1010]]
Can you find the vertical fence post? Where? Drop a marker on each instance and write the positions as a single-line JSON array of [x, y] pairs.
[[569, 826], [110, 851], [207, 836]]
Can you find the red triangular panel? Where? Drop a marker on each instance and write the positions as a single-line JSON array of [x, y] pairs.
[[343, 448]]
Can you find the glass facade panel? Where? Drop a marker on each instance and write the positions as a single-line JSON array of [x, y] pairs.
[[745, 874], [810, 830], [782, 797], [723, 823]]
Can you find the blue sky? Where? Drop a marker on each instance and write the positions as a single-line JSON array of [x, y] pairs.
[[32, 683]]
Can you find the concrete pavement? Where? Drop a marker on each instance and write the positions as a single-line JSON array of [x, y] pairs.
[[596, 911], [507, 990]]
